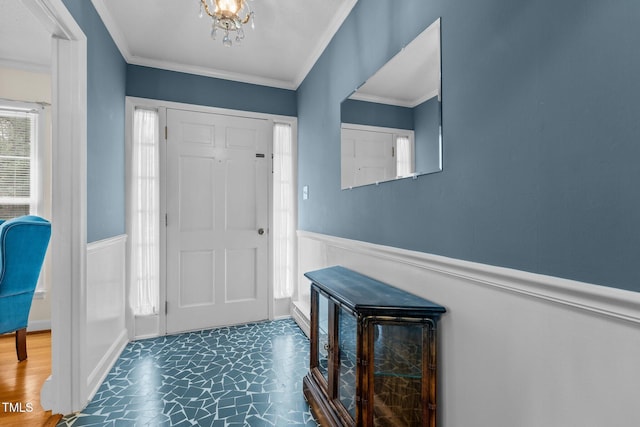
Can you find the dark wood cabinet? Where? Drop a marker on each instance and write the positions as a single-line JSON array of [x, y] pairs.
[[373, 352]]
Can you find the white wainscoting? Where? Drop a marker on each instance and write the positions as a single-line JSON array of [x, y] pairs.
[[515, 348], [106, 334]]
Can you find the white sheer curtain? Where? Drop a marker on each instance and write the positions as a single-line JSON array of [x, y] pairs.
[[144, 213], [284, 212], [404, 163]]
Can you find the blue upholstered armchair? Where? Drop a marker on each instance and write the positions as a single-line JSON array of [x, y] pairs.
[[23, 244]]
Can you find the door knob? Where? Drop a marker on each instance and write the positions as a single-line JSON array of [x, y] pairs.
[[261, 231]]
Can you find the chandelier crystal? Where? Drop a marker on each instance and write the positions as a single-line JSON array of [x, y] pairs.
[[229, 16]]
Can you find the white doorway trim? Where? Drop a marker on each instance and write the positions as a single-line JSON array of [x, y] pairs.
[[64, 391], [157, 326]]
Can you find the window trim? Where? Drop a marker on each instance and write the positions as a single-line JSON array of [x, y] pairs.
[[36, 179]]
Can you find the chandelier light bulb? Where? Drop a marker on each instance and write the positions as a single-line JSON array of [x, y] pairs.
[[230, 7]]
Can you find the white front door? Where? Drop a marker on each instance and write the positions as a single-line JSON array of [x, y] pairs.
[[367, 156], [216, 196]]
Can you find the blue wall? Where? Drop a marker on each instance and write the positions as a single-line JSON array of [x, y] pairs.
[[106, 74], [374, 114], [427, 119], [154, 83], [541, 137], [109, 79]]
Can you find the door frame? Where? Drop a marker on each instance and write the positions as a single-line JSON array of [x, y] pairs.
[[159, 325], [65, 391]]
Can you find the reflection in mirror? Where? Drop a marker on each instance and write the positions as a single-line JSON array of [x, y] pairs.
[[392, 124]]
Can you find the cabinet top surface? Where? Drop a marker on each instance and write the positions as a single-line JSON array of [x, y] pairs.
[[360, 292]]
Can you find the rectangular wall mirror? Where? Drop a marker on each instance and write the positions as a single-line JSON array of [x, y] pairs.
[[392, 124]]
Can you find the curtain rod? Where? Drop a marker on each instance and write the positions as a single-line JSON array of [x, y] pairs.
[[16, 105]]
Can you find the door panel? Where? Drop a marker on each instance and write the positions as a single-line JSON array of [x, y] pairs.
[[244, 176], [241, 275], [196, 194], [217, 189], [197, 271]]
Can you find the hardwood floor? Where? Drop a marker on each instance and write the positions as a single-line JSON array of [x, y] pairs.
[[20, 382]]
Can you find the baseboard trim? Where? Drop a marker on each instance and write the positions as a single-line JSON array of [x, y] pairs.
[[39, 325], [300, 313], [100, 372], [602, 300]]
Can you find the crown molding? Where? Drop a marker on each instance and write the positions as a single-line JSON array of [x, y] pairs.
[[333, 27], [211, 72], [358, 96]]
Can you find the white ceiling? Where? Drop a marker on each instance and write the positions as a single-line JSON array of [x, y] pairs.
[[169, 34], [410, 77], [279, 52], [289, 37], [24, 43]]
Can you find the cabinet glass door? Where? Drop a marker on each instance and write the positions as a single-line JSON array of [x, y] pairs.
[[323, 336], [397, 376], [347, 329]]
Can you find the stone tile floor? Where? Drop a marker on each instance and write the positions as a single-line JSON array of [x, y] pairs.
[[246, 375]]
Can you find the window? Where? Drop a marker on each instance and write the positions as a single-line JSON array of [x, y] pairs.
[[404, 160], [19, 193], [283, 211], [144, 213]]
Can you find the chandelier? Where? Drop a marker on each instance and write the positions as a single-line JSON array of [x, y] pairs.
[[228, 16]]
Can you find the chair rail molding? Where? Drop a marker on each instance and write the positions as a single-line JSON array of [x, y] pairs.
[[612, 302]]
